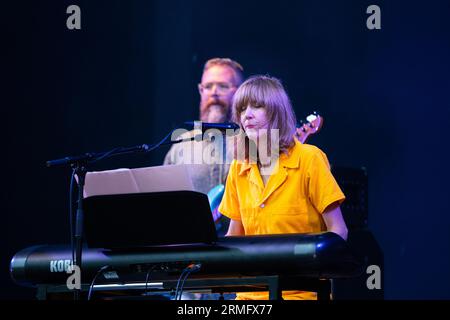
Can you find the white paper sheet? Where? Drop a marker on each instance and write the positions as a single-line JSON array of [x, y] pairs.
[[139, 180]]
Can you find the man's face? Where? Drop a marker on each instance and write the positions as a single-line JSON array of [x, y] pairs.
[[216, 92]]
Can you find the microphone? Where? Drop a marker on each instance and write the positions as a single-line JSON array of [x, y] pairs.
[[209, 125]]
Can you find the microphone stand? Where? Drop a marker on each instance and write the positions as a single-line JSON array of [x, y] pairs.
[[79, 164], [80, 171]]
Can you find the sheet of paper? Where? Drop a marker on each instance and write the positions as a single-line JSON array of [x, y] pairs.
[[163, 178], [139, 180]]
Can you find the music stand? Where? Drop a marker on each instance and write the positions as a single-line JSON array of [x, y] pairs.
[[148, 219], [131, 208]]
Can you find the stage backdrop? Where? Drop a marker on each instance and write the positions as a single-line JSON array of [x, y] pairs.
[[129, 75]]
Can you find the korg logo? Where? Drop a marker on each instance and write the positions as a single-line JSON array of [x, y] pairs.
[[60, 265]]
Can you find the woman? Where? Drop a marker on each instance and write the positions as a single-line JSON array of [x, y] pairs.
[[277, 185]]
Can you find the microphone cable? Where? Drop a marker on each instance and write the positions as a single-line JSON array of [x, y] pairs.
[[178, 282], [91, 287], [151, 148], [188, 270], [147, 277]]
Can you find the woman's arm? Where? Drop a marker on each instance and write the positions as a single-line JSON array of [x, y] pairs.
[[334, 220], [235, 228]]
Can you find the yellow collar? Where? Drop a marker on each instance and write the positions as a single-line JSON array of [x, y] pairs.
[[290, 160]]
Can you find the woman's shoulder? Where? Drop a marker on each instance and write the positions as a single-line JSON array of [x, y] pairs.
[[308, 150]]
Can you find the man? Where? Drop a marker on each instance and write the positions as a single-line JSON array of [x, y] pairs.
[[220, 79]]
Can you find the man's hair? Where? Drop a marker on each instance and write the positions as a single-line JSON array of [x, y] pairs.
[[269, 93], [237, 68]]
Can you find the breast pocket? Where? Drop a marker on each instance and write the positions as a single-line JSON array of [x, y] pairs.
[[249, 220], [290, 219], [297, 207]]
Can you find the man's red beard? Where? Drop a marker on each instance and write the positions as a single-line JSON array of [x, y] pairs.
[[215, 105]]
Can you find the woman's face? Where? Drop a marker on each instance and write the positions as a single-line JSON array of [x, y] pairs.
[[253, 120]]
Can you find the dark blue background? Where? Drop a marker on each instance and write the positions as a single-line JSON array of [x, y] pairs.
[[130, 74]]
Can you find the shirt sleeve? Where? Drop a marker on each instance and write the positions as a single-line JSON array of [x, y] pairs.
[[323, 190], [229, 205], [170, 156], [176, 155]]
